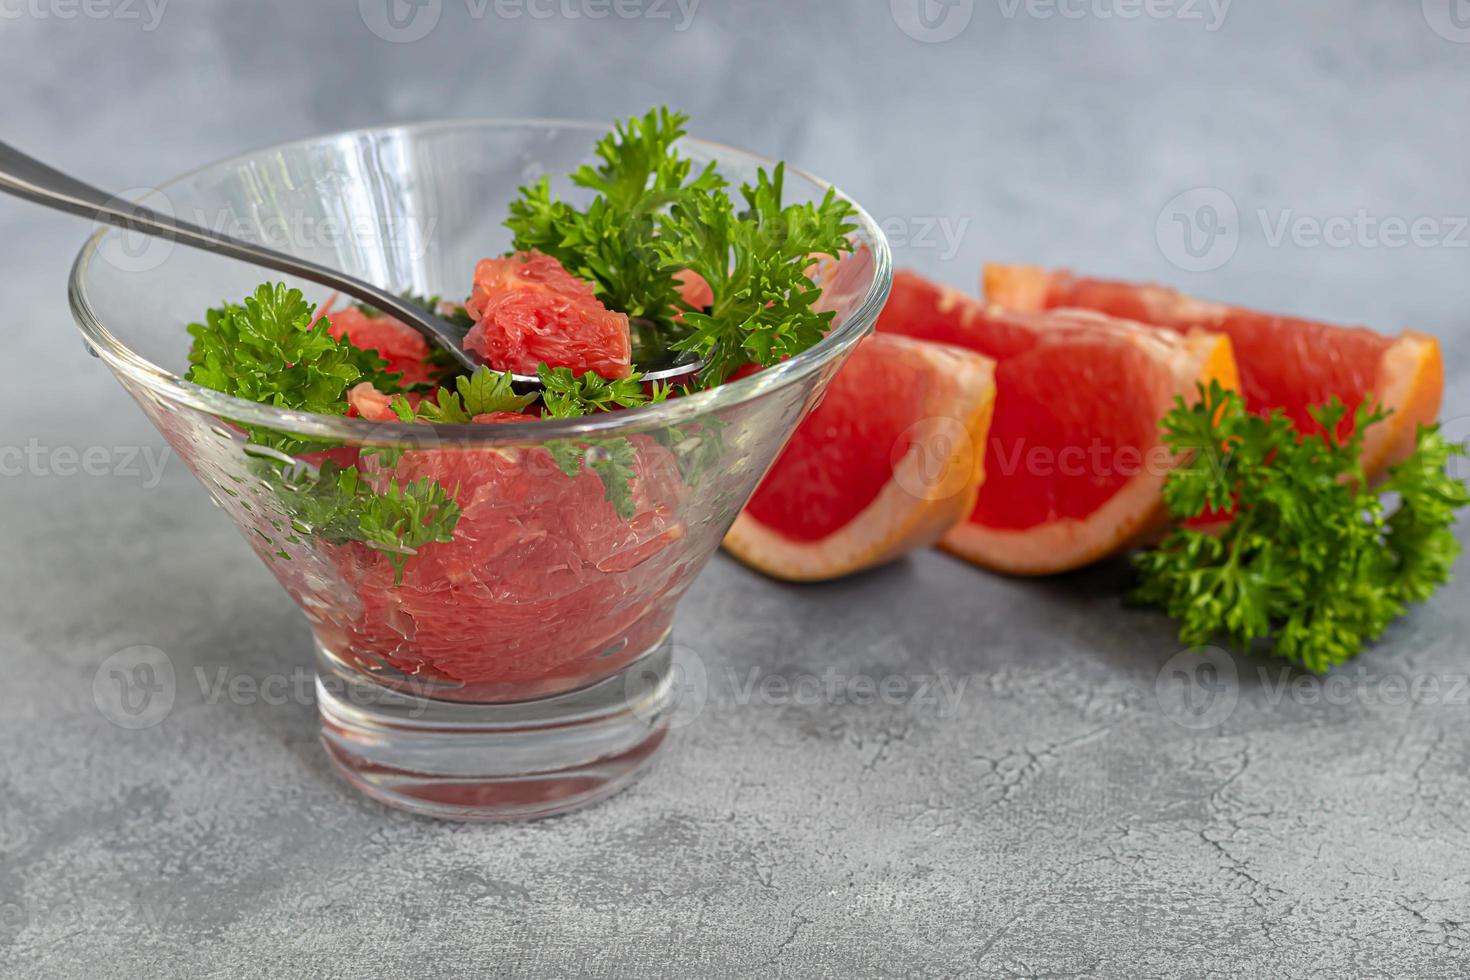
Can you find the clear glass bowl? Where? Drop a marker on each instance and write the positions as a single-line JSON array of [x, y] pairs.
[[522, 668]]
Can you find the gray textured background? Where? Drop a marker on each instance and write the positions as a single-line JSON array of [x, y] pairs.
[[1058, 821]]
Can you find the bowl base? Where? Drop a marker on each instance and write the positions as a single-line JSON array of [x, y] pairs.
[[484, 762]]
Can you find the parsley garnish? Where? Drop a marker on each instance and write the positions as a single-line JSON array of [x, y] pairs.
[[1315, 564], [614, 461], [611, 242], [337, 505], [481, 393], [756, 265], [654, 217], [567, 396], [268, 350]]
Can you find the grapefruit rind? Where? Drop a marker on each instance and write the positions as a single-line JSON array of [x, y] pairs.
[[1136, 512], [897, 521], [1411, 382]]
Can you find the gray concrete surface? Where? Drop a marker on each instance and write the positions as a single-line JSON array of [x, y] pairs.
[[1057, 816]]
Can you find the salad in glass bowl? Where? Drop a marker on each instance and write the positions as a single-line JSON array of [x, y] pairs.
[[490, 566]]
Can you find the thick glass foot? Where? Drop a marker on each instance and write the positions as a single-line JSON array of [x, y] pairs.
[[511, 761]]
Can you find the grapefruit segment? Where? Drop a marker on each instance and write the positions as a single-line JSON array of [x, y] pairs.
[[885, 464], [1285, 362], [1076, 468], [400, 345], [527, 309]]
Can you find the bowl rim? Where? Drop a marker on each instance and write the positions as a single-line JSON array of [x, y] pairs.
[[132, 366]]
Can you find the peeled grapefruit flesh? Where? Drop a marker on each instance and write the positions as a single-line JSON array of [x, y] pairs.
[[527, 309], [1074, 462], [885, 464], [1284, 362], [543, 586], [400, 345]]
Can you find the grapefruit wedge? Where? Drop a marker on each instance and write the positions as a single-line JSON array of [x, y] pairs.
[[1074, 462], [1284, 362], [886, 463]]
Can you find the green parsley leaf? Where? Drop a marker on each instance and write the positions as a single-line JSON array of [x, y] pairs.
[[756, 265], [1315, 564], [614, 461], [338, 505], [268, 350], [482, 393], [568, 396]]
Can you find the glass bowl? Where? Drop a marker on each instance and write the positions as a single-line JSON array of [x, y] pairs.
[[523, 667]]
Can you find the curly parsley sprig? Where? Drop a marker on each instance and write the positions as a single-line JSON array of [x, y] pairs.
[[567, 396], [337, 505], [756, 264], [268, 349], [654, 216], [1315, 564], [485, 392], [611, 242]]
